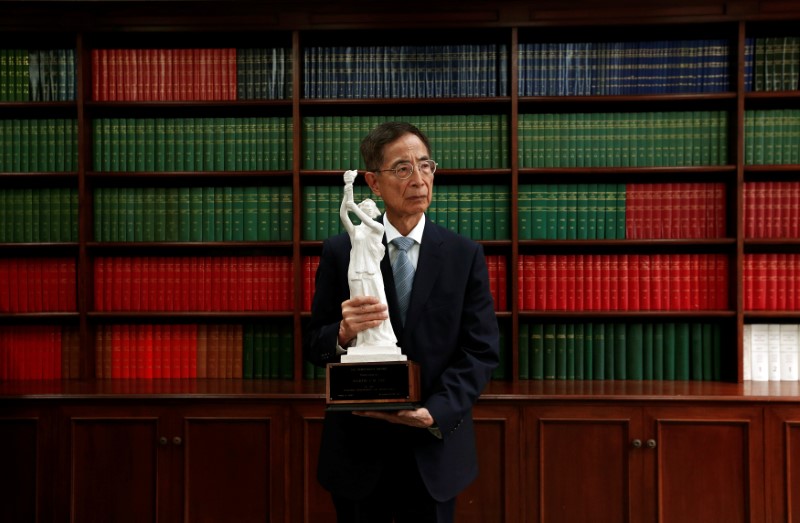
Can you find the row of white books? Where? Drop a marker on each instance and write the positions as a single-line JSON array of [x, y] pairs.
[[771, 352]]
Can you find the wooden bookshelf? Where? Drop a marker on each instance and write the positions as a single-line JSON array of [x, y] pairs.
[[537, 133]]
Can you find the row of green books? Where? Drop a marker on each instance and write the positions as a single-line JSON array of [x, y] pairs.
[[38, 145], [565, 212], [31, 215], [37, 75], [194, 214], [192, 144], [620, 351], [478, 141], [267, 351], [648, 139], [771, 136], [321, 205], [775, 63]]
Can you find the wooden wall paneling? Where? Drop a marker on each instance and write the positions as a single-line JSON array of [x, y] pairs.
[[21, 484], [782, 447]]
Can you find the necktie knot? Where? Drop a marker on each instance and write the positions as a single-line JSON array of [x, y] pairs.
[[403, 243], [403, 273]]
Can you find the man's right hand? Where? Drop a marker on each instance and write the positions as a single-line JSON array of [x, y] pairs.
[[360, 313]]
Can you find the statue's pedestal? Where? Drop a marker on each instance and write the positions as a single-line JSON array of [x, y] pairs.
[[361, 382]]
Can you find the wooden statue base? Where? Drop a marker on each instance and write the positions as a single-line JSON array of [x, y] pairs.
[[384, 385]]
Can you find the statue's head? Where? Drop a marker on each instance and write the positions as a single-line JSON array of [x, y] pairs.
[[370, 208]]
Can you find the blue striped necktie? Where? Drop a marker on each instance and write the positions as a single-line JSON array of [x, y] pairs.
[[403, 273]]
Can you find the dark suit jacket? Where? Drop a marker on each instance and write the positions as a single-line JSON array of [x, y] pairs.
[[451, 331]]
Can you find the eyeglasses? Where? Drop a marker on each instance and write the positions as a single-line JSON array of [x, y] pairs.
[[404, 170]]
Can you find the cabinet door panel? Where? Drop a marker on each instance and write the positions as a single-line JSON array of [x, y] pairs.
[[227, 469], [708, 466], [114, 469], [782, 444], [497, 439], [581, 465], [18, 454], [311, 503]]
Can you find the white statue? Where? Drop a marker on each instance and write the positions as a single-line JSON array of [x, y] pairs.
[[364, 275]]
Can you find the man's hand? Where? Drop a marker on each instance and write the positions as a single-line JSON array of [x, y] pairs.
[[419, 418], [350, 177], [360, 313]]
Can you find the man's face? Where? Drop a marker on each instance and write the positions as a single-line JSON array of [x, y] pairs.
[[405, 200]]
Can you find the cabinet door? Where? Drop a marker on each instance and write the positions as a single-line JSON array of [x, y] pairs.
[[25, 456], [119, 464], [579, 462], [233, 463], [707, 464], [782, 444]]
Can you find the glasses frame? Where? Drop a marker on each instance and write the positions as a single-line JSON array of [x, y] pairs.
[[414, 166]]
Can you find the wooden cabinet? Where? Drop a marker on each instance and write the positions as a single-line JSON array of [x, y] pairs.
[[154, 462], [640, 463]]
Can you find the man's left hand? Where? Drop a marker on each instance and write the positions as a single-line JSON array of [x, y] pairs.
[[419, 418]]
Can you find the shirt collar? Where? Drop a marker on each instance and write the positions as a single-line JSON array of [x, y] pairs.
[[415, 234]]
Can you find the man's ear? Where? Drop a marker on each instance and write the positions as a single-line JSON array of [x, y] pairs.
[[372, 180]]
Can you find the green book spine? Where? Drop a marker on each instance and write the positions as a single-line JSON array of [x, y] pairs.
[[286, 213], [263, 213], [323, 211], [610, 351], [452, 195], [209, 215], [536, 347], [148, 211], [139, 144], [670, 346], [571, 208], [696, 351], [274, 216], [250, 210], [551, 212], [561, 351], [248, 339], [478, 195], [100, 221], [160, 145], [579, 342], [588, 351], [196, 214], [634, 351], [237, 214], [219, 214], [599, 351], [502, 212], [188, 140], [184, 214], [582, 211], [571, 360], [550, 348], [275, 350], [488, 198], [610, 206], [138, 213], [465, 207], [562, 211], [524, 211], [229, 146], [682, 352], [621, 348], [172, 219]]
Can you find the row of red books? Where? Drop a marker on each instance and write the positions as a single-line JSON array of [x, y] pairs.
[[36, 352], [168, 351], [611, 282], [772, 210], [197, 283], [495, 263], [771, 281], [37, 285], [675, 210], [163, 74]]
